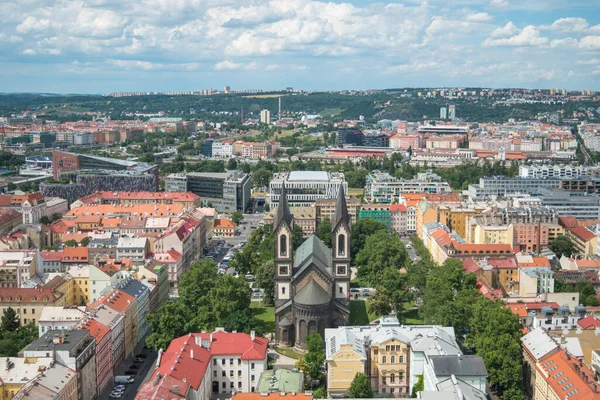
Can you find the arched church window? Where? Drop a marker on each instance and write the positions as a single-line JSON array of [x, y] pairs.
[[283, 245], [341, 245]]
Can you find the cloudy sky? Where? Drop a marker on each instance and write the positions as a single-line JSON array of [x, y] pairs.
[[100, 46]]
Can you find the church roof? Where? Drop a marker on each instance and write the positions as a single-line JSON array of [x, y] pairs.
[[283, 211], [315, 251], [341, 211], [312, 295]]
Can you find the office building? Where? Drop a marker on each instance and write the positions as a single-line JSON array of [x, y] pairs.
[[500, 186], [265, 117], [577, 205], [381, 187], [71, 162], [350, 136], [206, 148], [443, 129], [556, 171], [304, 188], [443, 113], [376, 140], [226, 191]]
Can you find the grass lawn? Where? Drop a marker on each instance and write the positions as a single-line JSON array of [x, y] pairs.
[[265, 314], [359, 314], [356, 192], [289, 352], [411, 317]]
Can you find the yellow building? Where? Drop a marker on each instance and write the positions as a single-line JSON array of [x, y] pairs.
[[389, 364], [343, 366], [81, 284], [585, 241], [425, 213], [485, 229], [29, 302], [15, 372]]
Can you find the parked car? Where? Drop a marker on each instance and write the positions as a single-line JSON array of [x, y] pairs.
[[115, 395], [139, 359], [134, 366], [119, 387], [131, 372], [124, 379]]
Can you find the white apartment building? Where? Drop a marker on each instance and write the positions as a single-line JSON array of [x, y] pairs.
[[59, 318], [303, 188], [381, 187], [265, 117], [17, 267], [135, 248], [222, 149], [555, 171], [103, 278], [82, 138]]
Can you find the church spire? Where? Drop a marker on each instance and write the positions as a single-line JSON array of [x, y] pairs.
[[283, 210], [341, 211]]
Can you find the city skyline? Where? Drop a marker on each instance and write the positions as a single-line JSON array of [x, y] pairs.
[[106, 46]]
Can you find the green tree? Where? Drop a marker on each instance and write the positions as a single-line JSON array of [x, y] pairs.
[[418, 387], [232, 164], [237, 217], [297, 236], [11, 186], [44, 220], [70, 243], [169, 322], [562, 245], [265, 279], [85, 241], [315, 357], [380, 303], [10, 321], [381, 251], [324, 231], [261, 177], [320, 393], [360, 388], [360, 231], [56, 217]]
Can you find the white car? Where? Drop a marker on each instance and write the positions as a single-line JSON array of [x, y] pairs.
[[119, 388], [115, 395]]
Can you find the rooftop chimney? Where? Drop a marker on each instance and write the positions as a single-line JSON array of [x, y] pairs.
[[192, 353], [175, 389], [252, 335]]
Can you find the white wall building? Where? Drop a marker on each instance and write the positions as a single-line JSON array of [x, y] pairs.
[[59, 318], [303, 188]]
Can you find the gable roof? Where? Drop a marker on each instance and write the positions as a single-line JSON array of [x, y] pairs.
[[313, 250], [312, 294]]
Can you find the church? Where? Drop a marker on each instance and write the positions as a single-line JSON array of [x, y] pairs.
[[312, 284]]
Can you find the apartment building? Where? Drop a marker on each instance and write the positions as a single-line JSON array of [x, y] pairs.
[[57, 382], [186, 199], [577, 205], [32, 205], [60, 318], [104, 363], [325, 208], [16, 372], [378, 212], [224, 363], [556, 171], [489, 229], [115, 321], [29, 302], [75, 349], [134, 248], [304, 188], [381, 187], [500, 186], [16, 267], [126, 305], [141, 293]]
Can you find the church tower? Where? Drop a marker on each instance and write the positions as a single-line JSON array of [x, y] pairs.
[[340, 249], [283, 224]]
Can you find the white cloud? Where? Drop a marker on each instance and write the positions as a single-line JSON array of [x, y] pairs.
[[529, 36], [29, 52], [227, 65], [567, 25], [590, 43], [10, 38], [593, 61], [507, 30], [499, 3], [479, 17]]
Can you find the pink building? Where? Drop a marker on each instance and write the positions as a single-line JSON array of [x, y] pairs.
[[404, 142], [104, 364], [115, 321]]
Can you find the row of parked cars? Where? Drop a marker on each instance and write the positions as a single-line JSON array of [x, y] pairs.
[[224, 264], [122, 380]]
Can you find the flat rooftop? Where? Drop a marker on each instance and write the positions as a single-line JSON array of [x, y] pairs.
[[308, 176]]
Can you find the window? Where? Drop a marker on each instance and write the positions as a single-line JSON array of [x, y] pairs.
[[282, 245], [283, 270], [223, 385], [392, 378], [383, 359], [375, 352], [341, 270], [239, 373], [401, 376], [341, 248], [231, 374], [239, 361], [341, 290], [24, 311], [239, 385], [387, 348], [252, 366], [223, 362], [401, 359], [231, 361], [252, 378], [393, 359], [215, 373], [215, 361], [283, 290]]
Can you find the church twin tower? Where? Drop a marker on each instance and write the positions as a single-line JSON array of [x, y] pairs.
[[312, 285]]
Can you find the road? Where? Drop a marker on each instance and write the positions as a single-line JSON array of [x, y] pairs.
[[145, 371], [414, 257]]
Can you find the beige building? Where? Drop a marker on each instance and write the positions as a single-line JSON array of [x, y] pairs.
[[29, 302], [484, 229], [389, 363], [303, 217], [325, 208]]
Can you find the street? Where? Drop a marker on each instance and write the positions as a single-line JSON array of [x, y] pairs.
[[144, 372], [412, 254]]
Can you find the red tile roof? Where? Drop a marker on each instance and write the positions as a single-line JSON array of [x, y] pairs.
[[499, 263], [116, 299], [567, 222], [470, 266], [483, 248], [51, 255], [582, 233], [589, 322], [397, 208], [271, 396], [24, 295], [75, 254], [160, 388], [568, 377], [224, 223], [225, 343], [96, 329]]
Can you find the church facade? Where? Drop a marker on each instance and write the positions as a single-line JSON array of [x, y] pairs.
[[312, 284]]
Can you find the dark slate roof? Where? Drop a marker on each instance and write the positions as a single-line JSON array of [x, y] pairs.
[[313, 250], [312, 295], [458, 365], [71, 339], [283, 210], [341, 211]]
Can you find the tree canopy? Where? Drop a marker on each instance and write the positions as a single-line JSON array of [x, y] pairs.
[[361, 230], [324, 231], [360, 388], [562, 245]]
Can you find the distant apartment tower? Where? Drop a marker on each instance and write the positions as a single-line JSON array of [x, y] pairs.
[[226, 89], [452, 112], [350, 136], [226, 191], [265, 117], [443, 113]]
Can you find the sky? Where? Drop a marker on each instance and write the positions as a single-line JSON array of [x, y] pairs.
[[103, 46]]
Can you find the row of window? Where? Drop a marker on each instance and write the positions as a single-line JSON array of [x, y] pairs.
[[231, 362], [392, 378], [392, 359]]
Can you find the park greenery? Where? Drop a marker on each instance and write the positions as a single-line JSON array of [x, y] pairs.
[[312, 363], [14, 336]]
